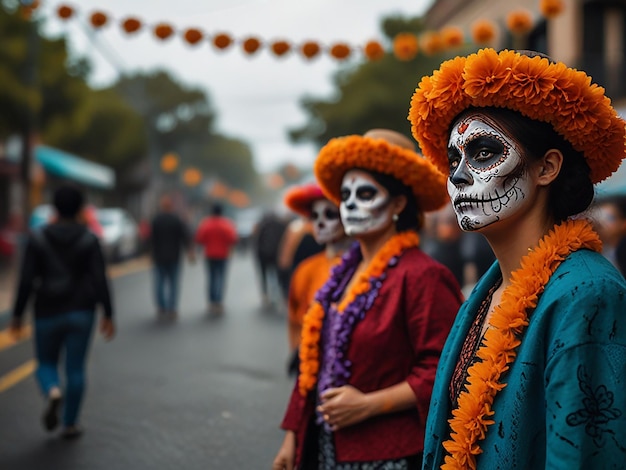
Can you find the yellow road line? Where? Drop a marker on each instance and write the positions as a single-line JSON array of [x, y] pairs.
[[17, 375]]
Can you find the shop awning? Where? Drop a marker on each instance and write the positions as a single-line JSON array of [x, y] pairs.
[[65, 165]]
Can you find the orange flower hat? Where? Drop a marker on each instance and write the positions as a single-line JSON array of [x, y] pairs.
[[300, 199], [385, 154], [539, 89]]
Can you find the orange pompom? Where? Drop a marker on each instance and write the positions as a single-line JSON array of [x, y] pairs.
[[374, 51]]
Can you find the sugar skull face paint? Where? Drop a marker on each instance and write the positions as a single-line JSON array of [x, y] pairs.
[[326, 222], [488, 179], [365, 205]]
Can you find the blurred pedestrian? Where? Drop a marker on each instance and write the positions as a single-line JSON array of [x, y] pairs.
[[169, 236], [266, 242], [218, 235], [63, 266], [611, 225], [308, 201]]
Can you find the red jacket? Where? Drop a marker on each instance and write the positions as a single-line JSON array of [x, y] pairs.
[[400, 338], [218, 235]]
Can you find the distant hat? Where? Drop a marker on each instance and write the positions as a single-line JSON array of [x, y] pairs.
[[300, 199], [526, 82], [382, 151]]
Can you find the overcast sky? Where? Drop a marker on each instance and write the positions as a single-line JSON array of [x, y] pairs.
[[256, 98]]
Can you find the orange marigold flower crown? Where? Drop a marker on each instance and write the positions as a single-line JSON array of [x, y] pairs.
[[577, 109], [342, 154], [300, 199]]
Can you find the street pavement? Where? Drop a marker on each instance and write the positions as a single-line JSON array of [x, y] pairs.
[[200, 392]]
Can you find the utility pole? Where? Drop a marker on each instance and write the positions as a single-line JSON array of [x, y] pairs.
[[29, 128]]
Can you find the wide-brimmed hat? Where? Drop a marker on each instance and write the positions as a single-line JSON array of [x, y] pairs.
[[534, 86], [380, 155], [300, 199]]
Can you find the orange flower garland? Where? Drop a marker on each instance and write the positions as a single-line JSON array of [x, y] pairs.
[[98, 19], [163, 31], [340, 51], [65, 12], [314, 318], [280, 48], [551, 8], [374, 51], [549, 92], [310, 49], [519, 22], [452, 36], [193, 36], [510, 318], [483, 32], [131, 25], [405, 46], [251, 45], [222, 41]]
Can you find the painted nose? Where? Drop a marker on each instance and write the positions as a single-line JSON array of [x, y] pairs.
[[461, 175]]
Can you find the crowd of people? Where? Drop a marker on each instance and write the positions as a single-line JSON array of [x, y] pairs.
[[462, 307]]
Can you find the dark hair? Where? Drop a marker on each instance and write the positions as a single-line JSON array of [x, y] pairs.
[[411, 217], [572, 191], [216, 209], [68, 200]]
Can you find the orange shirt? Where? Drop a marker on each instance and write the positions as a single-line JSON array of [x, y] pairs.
[[218, 235], [309, 276]]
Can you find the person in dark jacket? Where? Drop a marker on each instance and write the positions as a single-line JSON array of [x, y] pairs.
[[168, 236], [63, 266]]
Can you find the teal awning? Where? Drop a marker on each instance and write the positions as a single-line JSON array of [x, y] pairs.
[[65, 165]]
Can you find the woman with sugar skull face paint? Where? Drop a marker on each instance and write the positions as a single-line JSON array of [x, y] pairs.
[[308, 201], [371, 340], [532, 374]]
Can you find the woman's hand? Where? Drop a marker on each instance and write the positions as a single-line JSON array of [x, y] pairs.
[[107, 328], [285, 459], [344, 406], [15, 328]]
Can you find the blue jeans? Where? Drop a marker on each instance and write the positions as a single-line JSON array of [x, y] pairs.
[[166, 286], [216, 273], [69, 333]]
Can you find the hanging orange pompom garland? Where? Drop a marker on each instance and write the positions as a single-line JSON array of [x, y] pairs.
[[131, 25], [310, 49], [405, 46], [163, 31], [251, 45], [374, 51], [519, 22], [551, 8], [483, 32], [340, 51], [193, 36], [451, 36], [222, 41], [65, 12], [280, 48], [431, 43], [98, 19]]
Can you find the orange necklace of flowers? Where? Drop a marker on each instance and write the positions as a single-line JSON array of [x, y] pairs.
[[314, 318], [509, 320]]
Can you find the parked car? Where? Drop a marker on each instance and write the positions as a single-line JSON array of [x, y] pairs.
[[120, 233]]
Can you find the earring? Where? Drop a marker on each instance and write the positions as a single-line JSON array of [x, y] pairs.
[[395, 217]]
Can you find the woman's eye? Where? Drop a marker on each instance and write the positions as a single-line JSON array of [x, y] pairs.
[[345, 194], [331, 215], [366, 194], [484, 154]]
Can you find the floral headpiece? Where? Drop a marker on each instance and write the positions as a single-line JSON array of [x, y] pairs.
[[300, 199], [374, 154], [541, 90]]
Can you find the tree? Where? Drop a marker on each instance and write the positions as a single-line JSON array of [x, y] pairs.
[[181, 120], [369, 95]]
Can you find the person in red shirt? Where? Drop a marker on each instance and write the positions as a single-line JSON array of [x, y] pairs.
[[372, 339], [218, 235]]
